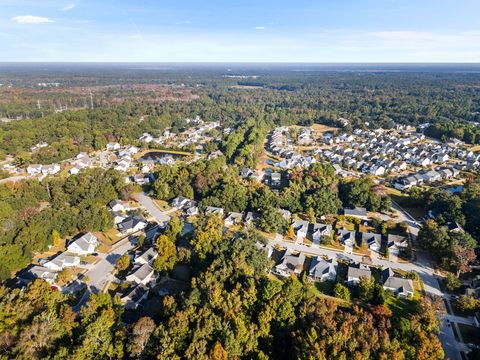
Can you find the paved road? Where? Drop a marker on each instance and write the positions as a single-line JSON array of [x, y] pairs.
[[152, 208], [422, 266], [100, 272]]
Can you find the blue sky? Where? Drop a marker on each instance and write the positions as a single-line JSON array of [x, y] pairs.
[[241, 30]]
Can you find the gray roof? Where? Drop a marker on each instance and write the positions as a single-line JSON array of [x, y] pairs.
[[142, 272], [369, 238], [355, 272], [130, 223], [324, 228], [85, 241], [148, 255], [399, 284], [137, 293], [292, 261], [320, 266]]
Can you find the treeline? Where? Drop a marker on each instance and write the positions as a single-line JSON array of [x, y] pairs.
[[231, 310], [244, 145], [444, 130], [453, 233], [30, 212], [315, 191]]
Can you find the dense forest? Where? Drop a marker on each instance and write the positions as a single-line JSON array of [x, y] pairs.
[[282, 98], [31, 212]]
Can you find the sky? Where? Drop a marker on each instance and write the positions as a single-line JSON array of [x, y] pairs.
[[315, 31]]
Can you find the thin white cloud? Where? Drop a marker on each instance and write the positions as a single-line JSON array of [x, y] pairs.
[[30, 19], [68, 7], [260, 28], [135, 36]]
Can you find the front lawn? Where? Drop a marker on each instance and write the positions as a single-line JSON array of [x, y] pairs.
[[400, 307]]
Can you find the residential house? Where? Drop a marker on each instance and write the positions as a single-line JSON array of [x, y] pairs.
[[233, 218], [357, 212], [132, 224], [84, 245], [323, 270], [285, 213], [61, 261], [395, 244], [300, 227], [36, 272], [147, 257], [212, 210], [142, 274], [275, 179], [180, 202], [251, 217], [400, 286], [291, 263], [372, 241], [346, 237], [34, 169], [112, 146], [135, 297], [50, 169], [320, 230], [355, 272], [117, 205]]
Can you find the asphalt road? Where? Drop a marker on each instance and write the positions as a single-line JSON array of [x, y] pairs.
[[422, 266], [152, 208], [100, 272]]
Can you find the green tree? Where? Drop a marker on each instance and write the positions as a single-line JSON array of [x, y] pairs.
[[123, 263], [341, 291], [167, 254]]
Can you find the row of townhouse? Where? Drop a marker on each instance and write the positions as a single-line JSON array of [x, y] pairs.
[[37, 169], [380, 152], [425, 177]]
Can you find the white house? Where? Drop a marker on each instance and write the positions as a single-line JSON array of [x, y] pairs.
[[233, 218], [112, 146], [34, 169], [290, 264], [320, 230], [300, 227], [212, 210], [135, 297], [84, 245], [399, 286], [132, 224], [50, 169], [356, 272], [147, 257], [141, 275], [62, 261], [117, 205]]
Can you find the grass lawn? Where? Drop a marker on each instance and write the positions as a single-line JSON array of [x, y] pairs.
[[109, 237], [88, 259], [345, 224], [470, 334], [162, 204], [400, 307]]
